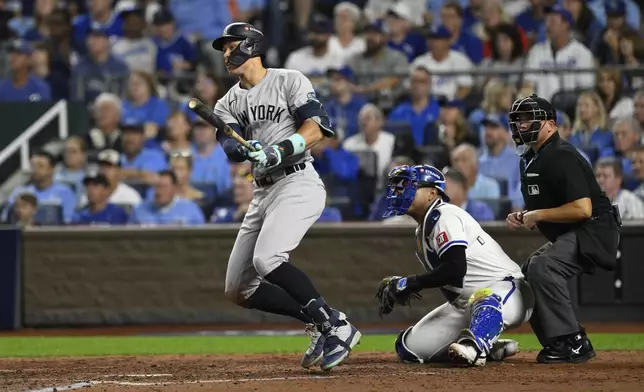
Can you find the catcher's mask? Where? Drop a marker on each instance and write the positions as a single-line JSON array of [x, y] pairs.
[[404, 181], [526, 118]]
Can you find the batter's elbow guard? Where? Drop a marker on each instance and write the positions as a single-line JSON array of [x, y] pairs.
[[315, 111], [233, 150]]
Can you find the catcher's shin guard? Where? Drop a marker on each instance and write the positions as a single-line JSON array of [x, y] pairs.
[[403, 352], [486, 324]]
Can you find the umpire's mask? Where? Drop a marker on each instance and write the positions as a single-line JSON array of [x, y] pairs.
[[526, 118]]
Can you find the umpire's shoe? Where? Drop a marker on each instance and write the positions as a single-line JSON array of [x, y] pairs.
[[572, 349], [315, 352], [338, 343]]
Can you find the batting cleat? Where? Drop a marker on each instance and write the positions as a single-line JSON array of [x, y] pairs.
[[315, 352], [338, 344], [502, 349], [466, 354]]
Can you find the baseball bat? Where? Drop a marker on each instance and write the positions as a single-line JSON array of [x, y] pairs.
[[211, 118]]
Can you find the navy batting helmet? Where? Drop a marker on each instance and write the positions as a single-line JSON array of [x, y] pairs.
[[251, 44]]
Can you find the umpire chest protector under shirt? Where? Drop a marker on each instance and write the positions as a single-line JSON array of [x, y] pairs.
[[555, 175]]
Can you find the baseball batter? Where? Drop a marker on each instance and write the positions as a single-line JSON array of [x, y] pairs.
[[485, 289], [278, 112]]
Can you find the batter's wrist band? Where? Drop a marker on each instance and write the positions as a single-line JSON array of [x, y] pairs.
[[295, 144]]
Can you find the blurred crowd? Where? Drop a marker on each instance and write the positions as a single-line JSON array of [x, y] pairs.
[[404, 82]]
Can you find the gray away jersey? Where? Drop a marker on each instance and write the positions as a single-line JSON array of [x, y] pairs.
[[265, 112]]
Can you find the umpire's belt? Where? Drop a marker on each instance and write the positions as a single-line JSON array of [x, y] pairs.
[[277, 175]]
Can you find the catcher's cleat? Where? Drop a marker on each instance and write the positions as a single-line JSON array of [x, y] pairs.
[[338, 344], [466, 354], [315, 352], [502, 349]]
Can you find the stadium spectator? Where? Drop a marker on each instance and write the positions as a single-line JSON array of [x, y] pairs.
[[401, 36], [507, 56], [587, 28], [343, 105], [172, 45], [210, 164], [637, 158], [99, 71], [452, 127], [332, 160], [638, 115], [100, 14], [167, 208], [379, 69], [533, 20], [610, 87], [208, 89], [626, 136], [177, 136], [109, 163], [345, 41], [473, 13], [564, 128], [462, 40], [497, 101], [99, 210], [107, 117], [137, 50], [376, 10], [242, 196], [465, 159], [607, 45], [610, 177], [73, 168], [442, 58], [149, 7], [25, 209], [494, 16], [37, 28], [421, 110], [22, 86], [42, 185], [567, 52], [181, 164], [456, 189], [139, 164], [590, 129], [40, 65], [143, 106], [317, 58], [63, 53], [499, 159], [604, 8], [372, 137]]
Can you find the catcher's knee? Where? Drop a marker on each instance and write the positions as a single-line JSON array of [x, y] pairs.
[[404, 353]]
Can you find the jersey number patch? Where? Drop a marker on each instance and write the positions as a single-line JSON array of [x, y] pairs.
[[441, 239]]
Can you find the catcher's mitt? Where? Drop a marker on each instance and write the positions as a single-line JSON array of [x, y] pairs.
[[395, 290]]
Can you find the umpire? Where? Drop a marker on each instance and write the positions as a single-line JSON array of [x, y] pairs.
[[563, 200]]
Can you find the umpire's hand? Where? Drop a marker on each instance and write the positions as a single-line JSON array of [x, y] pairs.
[[515, 220]]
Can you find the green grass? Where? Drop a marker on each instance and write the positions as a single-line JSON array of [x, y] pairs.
[[137, 345]]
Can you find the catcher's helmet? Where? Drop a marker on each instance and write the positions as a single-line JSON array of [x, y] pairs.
[[404, 181], [251, 44], [526, 116]]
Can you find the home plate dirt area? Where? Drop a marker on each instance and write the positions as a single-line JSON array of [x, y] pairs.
[[610, 371]]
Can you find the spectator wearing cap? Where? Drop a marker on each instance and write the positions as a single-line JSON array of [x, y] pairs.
[[533, 20], [138, 163], [137, 50], [590, 130], [109, 164], [345, 41], [317, 58], [343, 105], [101, 16], [379, 69], [401, 36], [610, 176], [143, 105], [149, 7], [25, 210], [560, 50], [421, 109], [627, 135], [602, 10], [608, 47], [462, 40], [499, 159], [377, 9], [457, 190], [587, 28], [99, 211], [210, 163], [465, 159], [74, 166], [106, 134], [43, 186], [99, 71], [167, 208], [22, 86], [172, 44], [177, 136], [442, 58], [497, 101]]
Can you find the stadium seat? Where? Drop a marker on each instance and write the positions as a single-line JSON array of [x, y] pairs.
[[503, 185], [329, 215], [209, 190], [368, 162], [434, 154], [49, 214]]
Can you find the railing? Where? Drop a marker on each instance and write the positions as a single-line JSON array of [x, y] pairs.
[[21, 143]]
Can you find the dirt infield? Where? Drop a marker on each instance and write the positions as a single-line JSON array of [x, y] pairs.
[[610, 371]]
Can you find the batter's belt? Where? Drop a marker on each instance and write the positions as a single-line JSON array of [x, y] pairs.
[[273, 177]]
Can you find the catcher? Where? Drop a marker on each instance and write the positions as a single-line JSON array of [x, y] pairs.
[[485, 289]]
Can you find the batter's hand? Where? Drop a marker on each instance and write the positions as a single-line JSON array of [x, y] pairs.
[[514, 220], [272, 156], [250, 155]]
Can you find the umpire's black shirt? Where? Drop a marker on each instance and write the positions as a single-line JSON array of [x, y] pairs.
[[555, 175]]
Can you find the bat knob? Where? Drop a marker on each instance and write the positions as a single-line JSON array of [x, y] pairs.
[[193, 103]]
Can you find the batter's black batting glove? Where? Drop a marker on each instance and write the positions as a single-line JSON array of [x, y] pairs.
[[397, 290]]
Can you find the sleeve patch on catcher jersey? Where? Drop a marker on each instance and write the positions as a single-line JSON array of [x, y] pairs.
[[442, 239]]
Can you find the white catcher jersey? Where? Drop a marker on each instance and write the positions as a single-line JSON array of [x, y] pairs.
[[266, 111], [446, 225]]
